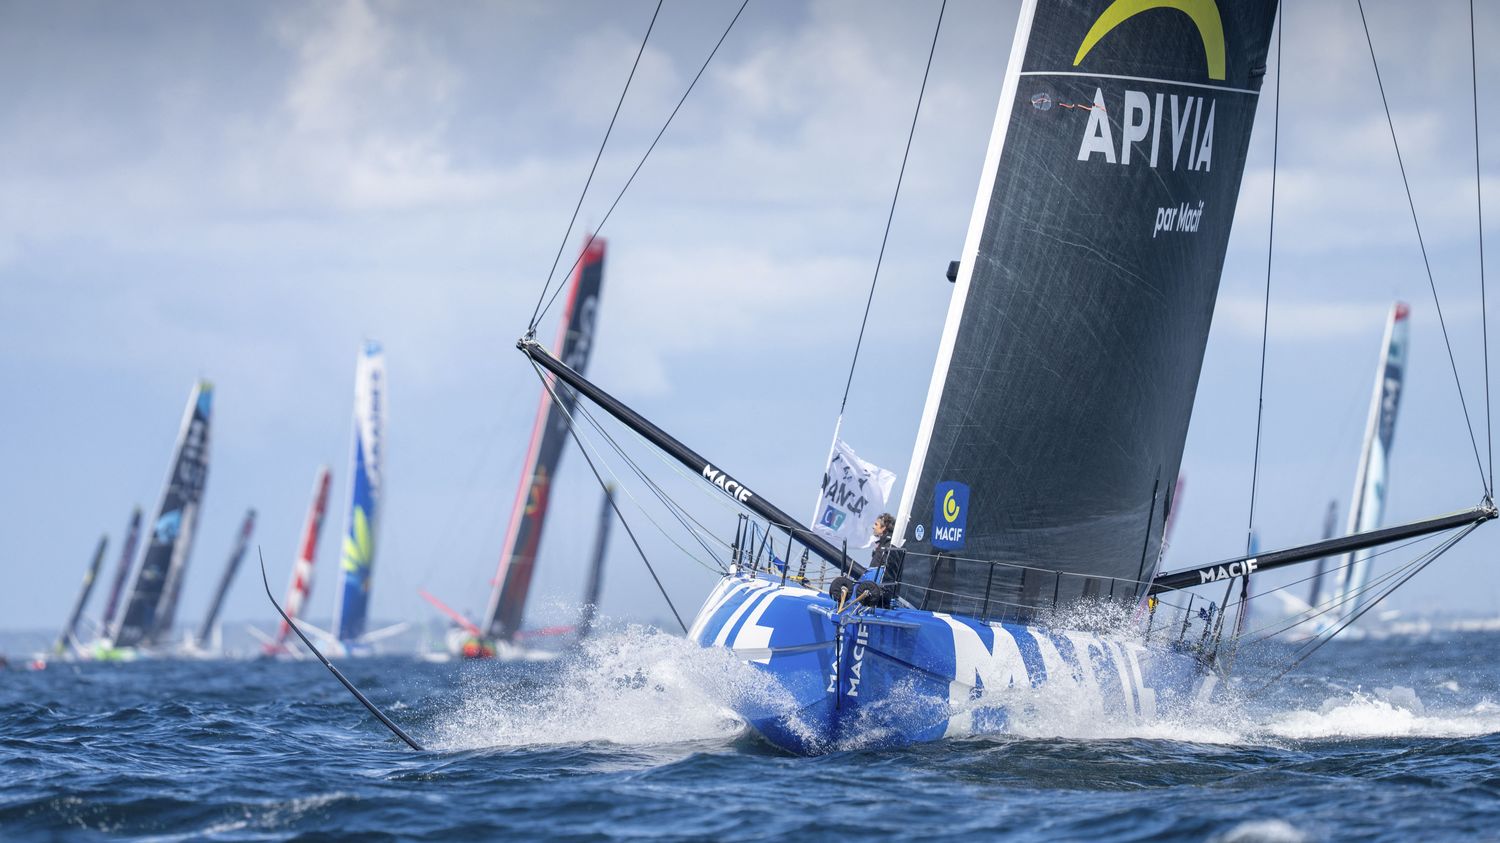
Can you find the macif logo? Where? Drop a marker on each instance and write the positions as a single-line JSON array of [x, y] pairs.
[[1189, 119], [950, 514]]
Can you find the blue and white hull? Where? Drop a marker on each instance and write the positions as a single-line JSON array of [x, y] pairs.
[[889, 677]]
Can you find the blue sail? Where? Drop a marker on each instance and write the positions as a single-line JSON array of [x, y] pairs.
[[357, 559]]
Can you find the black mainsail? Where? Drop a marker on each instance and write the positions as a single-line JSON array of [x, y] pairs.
[[1059, 406], [152, 606], [549, 435]]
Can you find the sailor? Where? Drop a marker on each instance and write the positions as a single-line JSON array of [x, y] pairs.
[[880, 586], [886, 562]]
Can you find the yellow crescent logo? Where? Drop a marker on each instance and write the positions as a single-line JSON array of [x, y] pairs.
[[950, 507], [1204, 13]]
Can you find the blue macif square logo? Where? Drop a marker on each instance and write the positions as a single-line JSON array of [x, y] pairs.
[[950, 512]]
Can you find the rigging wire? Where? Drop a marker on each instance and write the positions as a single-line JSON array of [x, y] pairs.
[[682, 516], [1484, 327], [891, 215], [625, 489], [572, 431], [537, 317], [536, 311], [1265, 326], [1411, 203], [1281, 625], [1420, 564]]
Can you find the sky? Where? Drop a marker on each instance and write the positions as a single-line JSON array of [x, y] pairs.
[[244, 192]]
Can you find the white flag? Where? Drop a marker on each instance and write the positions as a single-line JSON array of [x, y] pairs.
[[854, 494]]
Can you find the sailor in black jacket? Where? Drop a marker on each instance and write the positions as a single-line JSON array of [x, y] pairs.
[[881, 584]]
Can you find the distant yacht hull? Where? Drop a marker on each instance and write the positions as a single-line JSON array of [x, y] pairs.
[[892, 677]]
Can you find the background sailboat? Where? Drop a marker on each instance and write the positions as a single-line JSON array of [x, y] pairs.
[[495, 634], [366, 490], [209, 640], [1339, 586], [67, 641], [299, 588], [151, 605]]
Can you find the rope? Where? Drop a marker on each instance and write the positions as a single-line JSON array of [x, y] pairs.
[[633, 173], [1411, 203], [1265, 330], [891, 215], [536, 311], [1265, 317], [1484, 326], [573, 431], [677, 511]]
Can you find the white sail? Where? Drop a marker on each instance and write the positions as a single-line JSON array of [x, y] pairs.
[[1345, 592]]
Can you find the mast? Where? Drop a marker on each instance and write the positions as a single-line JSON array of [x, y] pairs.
[[549, 435], [1367, 503], [122, 570], [71, 627], [1320, 573], [1060, 399], [300, 587], [151, 607], [241, 544], [366, 489], [595, 582]]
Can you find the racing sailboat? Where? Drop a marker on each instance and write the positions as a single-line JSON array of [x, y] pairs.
[[1339, 587], [67, 642], [366, 488], [122, 570], [466, 640], [300, 586], [496, 634], [1043, 470], [151, 607], [1345, 591], [207, 640]]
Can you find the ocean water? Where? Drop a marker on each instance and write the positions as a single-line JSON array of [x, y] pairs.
[[1388, 739]]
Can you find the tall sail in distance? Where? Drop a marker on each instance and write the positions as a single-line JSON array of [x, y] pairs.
[[1059, 405], [1320, 572], [236, 556], [1347, 580], [300, 587], [71, 628], [122, 571], [366, 483], [594, 585], [549, 435], [151, 608]]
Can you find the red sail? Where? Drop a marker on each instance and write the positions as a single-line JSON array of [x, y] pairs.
[[548, 436], [302, 569]]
